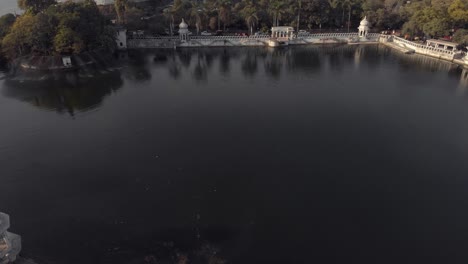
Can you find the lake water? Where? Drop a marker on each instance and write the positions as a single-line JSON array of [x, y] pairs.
[[335, 154]]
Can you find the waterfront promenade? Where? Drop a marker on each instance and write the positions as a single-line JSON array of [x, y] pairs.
[[229, 41], [394, 42], [408, 47]]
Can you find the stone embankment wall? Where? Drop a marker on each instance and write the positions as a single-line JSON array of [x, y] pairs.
[[407, 46], [230, 41], [85, 59]]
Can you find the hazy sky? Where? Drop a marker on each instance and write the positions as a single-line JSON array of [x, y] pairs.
[[8, 6]]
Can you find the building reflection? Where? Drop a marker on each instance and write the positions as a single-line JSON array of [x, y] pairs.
[[69, 94], [463, 86], [249, 63], [304, 60], [224, 62], [200, 71], [136, 65], [274, 61]]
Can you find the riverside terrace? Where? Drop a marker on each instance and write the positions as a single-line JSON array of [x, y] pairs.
[[184, 39], [394, 42], [138, 41], [407, 46], [261, 40]]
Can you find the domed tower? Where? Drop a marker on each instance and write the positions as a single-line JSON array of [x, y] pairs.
[[363, 28], [183, 31]]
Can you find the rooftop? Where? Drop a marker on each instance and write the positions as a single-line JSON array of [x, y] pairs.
[[443, 42]]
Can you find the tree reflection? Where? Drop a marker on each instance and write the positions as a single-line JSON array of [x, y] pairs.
[[185, 57], [304, 59], [200, 72], [138, 68], [274, 61], [224, 62], [69, 94], [249, 63]]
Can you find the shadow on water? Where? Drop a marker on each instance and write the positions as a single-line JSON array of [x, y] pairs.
[[69, 94], [254, 215], [198, 63]]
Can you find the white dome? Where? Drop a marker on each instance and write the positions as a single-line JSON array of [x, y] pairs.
[[183, 25], [364, 22]]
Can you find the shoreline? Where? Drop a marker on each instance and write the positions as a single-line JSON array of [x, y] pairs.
[[393, 42]]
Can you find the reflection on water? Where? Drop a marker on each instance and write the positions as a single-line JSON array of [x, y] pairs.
[[239, 155], [69, 94]]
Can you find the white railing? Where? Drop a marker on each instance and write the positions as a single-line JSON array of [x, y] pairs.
[[420, 46], [302, 35], [327, 35]]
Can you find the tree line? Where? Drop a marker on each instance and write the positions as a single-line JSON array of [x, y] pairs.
[[429, 18], [48, 28]]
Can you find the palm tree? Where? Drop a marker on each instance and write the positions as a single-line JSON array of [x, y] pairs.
[[338, 3], [169, 15], [195, 13], [299, 15], [250, 15], [349, 4], [277, 9], [224, 12]]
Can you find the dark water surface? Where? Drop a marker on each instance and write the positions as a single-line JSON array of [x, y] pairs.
[[348, 154]]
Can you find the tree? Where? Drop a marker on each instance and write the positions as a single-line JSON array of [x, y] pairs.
[[19, 40], [6, 21], [249, 13], [276, 10], [35, 6], [458, 11], [62, 28], [428, 21], [68, 41], [224, 12], [195, 15], [315, 12], [121, 7], [461, 37]]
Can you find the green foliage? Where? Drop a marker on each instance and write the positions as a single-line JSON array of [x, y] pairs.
[[6, 21], [428, 18], [35, 6], [20, 39], [63, 28], [314, 13], [67, 41], [121, 7], [461, 36], [458, 11], [249, 12]]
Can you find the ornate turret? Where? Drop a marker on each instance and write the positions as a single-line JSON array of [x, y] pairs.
[[183, 31], [10, 244], [363, 28]]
